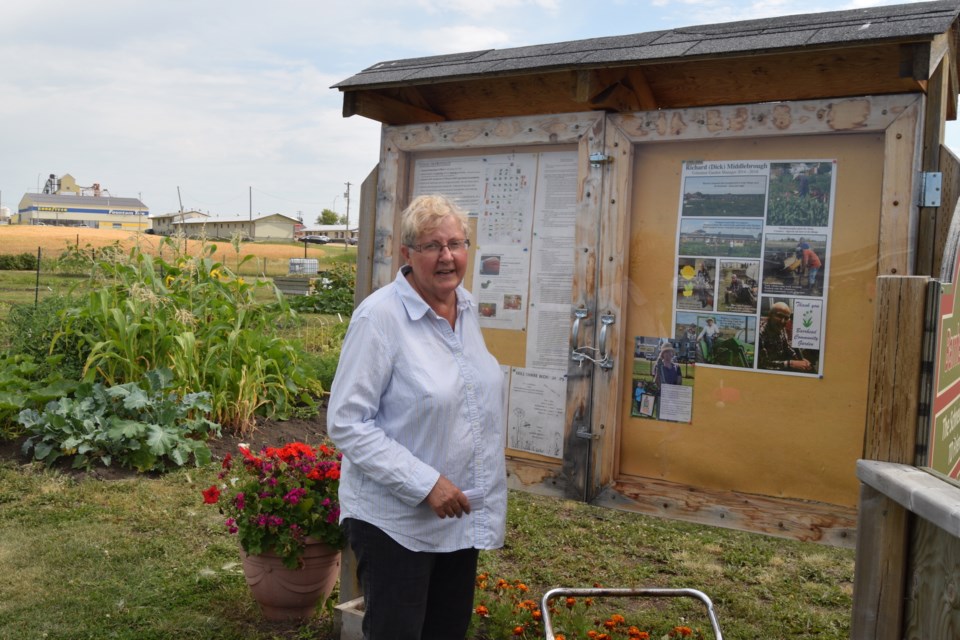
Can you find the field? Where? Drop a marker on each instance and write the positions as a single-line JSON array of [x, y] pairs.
[[272, 258]]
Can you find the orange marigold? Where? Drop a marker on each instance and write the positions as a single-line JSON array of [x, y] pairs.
[[618, 619], [683, 632], [482, 611], [570, 602], [518, 631]]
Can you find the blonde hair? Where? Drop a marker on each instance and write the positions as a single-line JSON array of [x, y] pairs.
[[425, 214]]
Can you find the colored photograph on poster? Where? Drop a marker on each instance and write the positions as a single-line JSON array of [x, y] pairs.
[[726, 340], [739, 286], [800, 194], [712, 237], [792, 264], [695, 283], [791, 332], [662, 387], [685, 333], [719, 196]]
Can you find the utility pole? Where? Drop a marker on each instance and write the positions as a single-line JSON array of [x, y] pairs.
[[346, 235]]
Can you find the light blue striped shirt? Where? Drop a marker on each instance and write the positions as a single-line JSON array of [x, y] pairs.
[[413, 399]]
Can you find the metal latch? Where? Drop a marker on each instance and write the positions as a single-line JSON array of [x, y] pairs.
[[931, 183], [598, 159]]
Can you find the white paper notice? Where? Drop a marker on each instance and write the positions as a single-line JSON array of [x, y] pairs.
[[676, 402], [537, 412], [460, 179], [554, 231]]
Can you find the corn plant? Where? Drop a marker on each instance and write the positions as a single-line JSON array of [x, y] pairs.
[[194, 316]]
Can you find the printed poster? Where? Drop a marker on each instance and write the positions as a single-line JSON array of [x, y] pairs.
[[752, 271]]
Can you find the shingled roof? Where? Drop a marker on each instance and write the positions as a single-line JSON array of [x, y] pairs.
[[903, 22], [876, 51]]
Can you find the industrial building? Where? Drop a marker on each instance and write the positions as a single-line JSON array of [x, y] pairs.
[[64, 203]]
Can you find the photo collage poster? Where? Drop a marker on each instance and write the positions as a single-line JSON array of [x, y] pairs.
[[525, 207], [662, 383], [752, 270]]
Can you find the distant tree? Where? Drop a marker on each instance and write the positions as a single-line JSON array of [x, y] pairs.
[[328, 217]]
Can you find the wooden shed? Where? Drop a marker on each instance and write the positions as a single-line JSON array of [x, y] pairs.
[[617, 185]]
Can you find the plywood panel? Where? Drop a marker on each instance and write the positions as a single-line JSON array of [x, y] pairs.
[[759, 433]]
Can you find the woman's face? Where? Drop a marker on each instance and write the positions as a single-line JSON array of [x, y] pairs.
[[437, 275]]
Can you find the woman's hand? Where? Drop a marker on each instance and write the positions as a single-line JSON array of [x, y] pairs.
[[446, 500]]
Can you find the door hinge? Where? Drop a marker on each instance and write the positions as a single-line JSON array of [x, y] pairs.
[[931, 183]]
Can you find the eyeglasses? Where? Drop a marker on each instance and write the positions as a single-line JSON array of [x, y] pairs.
[[435, 248]]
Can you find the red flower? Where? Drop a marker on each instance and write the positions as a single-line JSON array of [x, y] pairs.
[[211, 495]]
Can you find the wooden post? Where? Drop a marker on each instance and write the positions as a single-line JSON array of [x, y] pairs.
[[879, 586]]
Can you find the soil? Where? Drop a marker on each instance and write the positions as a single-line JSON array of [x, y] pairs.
[[272, 433]]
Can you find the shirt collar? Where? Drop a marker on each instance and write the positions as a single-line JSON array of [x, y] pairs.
[[415, 305]]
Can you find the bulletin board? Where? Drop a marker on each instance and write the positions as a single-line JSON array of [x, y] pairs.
[[791, 436]]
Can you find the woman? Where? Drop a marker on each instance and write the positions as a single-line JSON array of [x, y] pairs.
[[666, 371], [416, 408]]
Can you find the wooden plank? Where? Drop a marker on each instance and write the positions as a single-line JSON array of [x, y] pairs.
[[365, 241], [391, 199], [895, 367], [479, 134], [608, 385], [879, 580], [898, 206], [578, 438], [933, 133], [918, 491], [855, 115], [781, 517], [933, 605], [895, 363], [384, 108]]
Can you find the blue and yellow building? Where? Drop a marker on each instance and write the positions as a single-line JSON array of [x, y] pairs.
[[64, 203]]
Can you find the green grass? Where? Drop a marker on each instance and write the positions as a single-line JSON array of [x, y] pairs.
[[144, 558]]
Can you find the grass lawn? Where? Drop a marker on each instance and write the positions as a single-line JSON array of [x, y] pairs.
[[143, 558]]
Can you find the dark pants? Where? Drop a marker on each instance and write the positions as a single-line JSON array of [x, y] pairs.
[[411, 595]]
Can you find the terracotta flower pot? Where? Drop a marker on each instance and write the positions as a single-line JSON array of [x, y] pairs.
[[292, 594]]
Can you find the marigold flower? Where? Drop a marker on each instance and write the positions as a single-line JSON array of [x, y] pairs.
[[482, 611], [683, 632], [618, 619], [211, 495], [609, 624], [591, 634], [518, 631], [537, 615], [570, 602]]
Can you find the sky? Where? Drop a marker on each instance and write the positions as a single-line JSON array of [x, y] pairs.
[[226, 107]]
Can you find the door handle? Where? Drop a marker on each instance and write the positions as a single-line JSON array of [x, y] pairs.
[[605, 362], [576, 355]]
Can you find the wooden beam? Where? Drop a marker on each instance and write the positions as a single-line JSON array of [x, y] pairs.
[[381, 108], [933, 134], [780, 517], [893, 399], [637, 81], [880, 574], [898, 205], [365, 243]]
